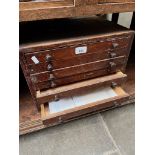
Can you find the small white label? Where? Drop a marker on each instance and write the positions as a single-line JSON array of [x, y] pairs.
[[35, 60], [81, 50]]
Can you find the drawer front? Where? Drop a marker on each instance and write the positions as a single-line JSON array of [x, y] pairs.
[[70, 52], [109, 64], [82, 59], [71, 79], [45, 96]]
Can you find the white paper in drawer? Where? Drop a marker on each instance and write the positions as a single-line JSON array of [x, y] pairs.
[[83, 99], [61, 105], [93, 96]]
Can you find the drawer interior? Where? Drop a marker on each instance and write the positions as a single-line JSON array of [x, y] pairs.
[[82, 103]]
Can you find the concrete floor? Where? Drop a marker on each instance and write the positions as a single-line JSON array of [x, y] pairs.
[[107, 133]]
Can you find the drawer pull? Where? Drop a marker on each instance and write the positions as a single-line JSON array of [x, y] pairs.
[[51, 76], [56, 98], [49, 67], [113, 84], [48, 57], [53, 84], [34, 79], [115, 45], [112, 66], [113, 55]]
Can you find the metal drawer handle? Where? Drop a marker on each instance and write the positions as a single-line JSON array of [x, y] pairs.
[[49, 67], [113, 84], [53, 84], [115, 45], [51, 77], [48, 57], [113, 55], [56, 98], [112, 65]]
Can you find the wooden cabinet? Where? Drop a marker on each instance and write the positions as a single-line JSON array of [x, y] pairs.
[[69, 60], [61, 73]]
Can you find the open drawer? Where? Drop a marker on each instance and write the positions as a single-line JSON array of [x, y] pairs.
[[93, 100], [61, 92]]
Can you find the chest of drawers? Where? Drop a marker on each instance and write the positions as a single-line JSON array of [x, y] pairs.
[[92, 51]]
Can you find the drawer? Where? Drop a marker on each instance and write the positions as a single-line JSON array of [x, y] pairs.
[[71, 79], [45, 96], [93, 100], [81, 59], [109, 64], [64, 53]]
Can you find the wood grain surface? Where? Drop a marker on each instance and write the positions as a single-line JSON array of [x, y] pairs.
[[32, 11]]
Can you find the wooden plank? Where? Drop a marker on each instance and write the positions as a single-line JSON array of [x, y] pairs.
[[95, 2], [115, 1], [85, 2], [42, 111], [119, 91], [48, 12], [54, 4]]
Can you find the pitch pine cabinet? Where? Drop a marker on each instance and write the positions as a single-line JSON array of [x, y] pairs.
[[75, 62]]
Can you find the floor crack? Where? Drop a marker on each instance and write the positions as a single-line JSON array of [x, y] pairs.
[[109, 134]]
